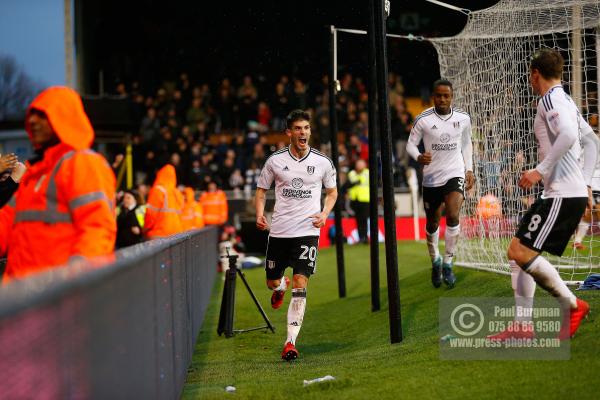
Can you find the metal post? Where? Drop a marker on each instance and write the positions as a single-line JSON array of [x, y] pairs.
[[373, 168], [339, 238], [391, 250]]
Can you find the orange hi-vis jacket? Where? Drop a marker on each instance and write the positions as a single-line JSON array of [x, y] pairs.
[[64, 207], [214, 206], [164, 205], [192, 215]]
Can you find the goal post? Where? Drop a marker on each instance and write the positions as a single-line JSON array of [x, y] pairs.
[[488, 65]]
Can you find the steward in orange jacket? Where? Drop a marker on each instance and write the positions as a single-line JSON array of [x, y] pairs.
[[164, 205], [64, 207], [192, 216], [214, 205]]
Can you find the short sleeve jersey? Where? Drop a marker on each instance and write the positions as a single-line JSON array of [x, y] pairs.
[[443, 137], [298, 186], [557, 115]]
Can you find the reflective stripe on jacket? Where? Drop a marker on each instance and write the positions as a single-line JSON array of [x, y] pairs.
[[164, 205], [64, 207], [192, 215], [360, 191], [214, 206]]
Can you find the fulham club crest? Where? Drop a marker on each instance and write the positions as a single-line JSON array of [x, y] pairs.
[[310, 169], [456, 124]]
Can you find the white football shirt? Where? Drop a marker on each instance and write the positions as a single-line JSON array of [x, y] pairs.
[[298, 184], [557, 128], [448, 139], [596, 178], [589, 159]]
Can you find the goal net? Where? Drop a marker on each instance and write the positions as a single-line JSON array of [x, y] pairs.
[[488, 65]]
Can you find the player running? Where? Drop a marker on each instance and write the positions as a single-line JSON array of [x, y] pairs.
[[447, 161], [299, 172], [552, 219]]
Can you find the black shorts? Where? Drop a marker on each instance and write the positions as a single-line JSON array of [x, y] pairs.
[[549, 223], [596, 197], [433, 197], [300, 253]]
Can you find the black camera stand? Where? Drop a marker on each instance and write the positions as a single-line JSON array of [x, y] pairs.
[[228, 301]]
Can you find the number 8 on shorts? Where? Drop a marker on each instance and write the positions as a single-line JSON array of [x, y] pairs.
[[549, 223]]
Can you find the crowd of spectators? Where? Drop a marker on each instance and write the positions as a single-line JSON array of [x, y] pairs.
[[224, 133]]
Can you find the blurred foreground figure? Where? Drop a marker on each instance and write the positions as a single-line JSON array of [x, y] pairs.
[[63, 210]]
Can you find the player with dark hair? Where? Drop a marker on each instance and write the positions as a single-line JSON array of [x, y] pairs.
[[551, 220], [447, 162], [299, 172]]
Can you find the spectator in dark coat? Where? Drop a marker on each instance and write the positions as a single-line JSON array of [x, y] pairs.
[[130, 220]]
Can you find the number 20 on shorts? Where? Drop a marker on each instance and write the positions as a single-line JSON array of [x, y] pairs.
[[312, 253]]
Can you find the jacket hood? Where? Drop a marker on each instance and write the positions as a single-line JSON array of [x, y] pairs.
[[189, 195], [64, 109], [166, 177]]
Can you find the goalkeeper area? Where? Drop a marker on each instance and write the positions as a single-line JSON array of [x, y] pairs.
[[488, 62], [344, 339]]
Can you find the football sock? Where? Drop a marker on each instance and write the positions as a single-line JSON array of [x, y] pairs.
[[295, 314], [523, 286], [451, 236], [282, 285], [432, 243], [582, 229], [548, 278]]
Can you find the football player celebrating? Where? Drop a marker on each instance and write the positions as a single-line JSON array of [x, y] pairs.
[[549, 223], [447, 173], [299, 173]]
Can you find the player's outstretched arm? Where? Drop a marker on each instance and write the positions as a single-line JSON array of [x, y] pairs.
[[260, 200]]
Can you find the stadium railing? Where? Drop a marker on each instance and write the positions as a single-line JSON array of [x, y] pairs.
[[125, 330]]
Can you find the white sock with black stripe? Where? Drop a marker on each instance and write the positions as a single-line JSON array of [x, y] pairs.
[[548, 278], [295, 314]]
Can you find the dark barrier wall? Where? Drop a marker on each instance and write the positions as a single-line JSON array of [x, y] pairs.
[[122, 331]]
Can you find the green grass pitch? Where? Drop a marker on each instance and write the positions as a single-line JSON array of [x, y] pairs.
[[343, 338]]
